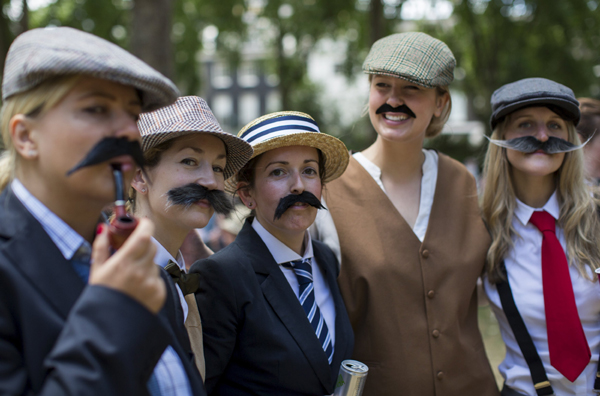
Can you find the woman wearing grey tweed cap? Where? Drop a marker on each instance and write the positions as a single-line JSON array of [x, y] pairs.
[[406, 224], [543, 219], [68, 324]]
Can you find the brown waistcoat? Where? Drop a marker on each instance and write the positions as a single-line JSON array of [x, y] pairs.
[[413, 305]]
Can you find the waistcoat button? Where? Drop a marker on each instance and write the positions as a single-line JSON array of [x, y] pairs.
[[430, 294], [435, 333], [440, 375], [425, 253]]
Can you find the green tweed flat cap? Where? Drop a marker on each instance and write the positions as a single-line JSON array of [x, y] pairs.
[[413, 56]]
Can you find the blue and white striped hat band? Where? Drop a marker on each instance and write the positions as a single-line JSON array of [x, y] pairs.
[[293, 128]]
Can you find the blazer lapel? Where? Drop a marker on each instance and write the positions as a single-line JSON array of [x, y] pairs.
[[45, 266], [284, 302]]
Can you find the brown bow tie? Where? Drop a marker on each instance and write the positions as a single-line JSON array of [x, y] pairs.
[[187, 282]]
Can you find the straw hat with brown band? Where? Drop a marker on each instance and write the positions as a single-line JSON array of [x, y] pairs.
[[293, 128]]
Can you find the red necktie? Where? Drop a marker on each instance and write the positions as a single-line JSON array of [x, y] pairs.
[[569, 350]]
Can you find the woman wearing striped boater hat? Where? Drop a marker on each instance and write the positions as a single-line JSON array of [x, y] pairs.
[[273, 318]]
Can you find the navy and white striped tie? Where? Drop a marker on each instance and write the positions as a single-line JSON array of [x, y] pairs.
[[306, 295]]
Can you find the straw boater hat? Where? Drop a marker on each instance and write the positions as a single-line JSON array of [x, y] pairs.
[[293, 128], [41, 54], [191, 114]]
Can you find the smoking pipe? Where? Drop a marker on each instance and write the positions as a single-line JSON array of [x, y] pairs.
[[122, 223]]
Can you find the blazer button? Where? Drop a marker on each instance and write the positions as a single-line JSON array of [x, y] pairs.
[[435, 333], [440, 375], [425, 253], [430, 294]]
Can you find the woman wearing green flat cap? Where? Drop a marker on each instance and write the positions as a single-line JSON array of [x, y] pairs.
[[410, 238]]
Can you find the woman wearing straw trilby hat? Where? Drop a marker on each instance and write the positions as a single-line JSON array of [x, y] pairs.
[[273, 319], [74, 319], [543, 219], [188, 158], [412, 243]]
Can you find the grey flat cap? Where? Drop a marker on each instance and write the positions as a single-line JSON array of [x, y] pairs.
[[530, 92], [191, 114], [415, 57], [40, 54]]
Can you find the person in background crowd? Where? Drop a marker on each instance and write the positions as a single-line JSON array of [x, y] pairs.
[[589, 128], [188, 158], [405, 223], [67, 328], [274, 322], [545, 232]]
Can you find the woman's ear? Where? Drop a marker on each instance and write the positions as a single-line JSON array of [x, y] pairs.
[[139, 182], [440, 103], [24, 141], [245, 194]]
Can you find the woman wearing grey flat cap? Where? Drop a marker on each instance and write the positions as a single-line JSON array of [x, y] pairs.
[[68, 327], [412, 243], [543, 219]]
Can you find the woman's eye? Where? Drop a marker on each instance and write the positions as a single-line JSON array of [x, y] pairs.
[[218, 169], [554, 125], [382, 85], [189, 161], [525, 125], [310, 171], [96, 110], [277, 172]]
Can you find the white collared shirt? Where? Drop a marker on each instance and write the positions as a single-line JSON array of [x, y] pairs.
[[162, 258], [524, 266], [64, 237], [283, 254]]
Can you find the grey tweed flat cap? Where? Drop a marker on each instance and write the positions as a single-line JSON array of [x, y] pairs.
[[191, 114], [413, 56], [40, 54], [530, 92]]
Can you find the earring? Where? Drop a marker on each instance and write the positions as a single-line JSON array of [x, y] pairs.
[[31, 153], [250, 205], [144, 190]]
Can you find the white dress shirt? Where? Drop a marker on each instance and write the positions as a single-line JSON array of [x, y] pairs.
[[169, 370], [324, 227], [283, 254], [524, 266], [162, 258]]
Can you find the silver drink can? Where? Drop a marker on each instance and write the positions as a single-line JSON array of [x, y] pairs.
[[352, 378]]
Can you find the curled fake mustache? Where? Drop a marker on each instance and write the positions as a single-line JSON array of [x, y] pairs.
[[529, 144], [286, 202], [109, 148], [386, 108], [191, 193]]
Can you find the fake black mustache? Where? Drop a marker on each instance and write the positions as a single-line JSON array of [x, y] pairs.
[[108, 148], [529, 144], [286, 202], [191, 193], [386, 108]]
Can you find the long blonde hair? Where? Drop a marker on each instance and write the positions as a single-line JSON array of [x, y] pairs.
[[578, 207], [33, 103]]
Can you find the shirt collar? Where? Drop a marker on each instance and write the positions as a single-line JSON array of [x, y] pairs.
[[162, 256], [523, 212], [280, 252], [64, 237]]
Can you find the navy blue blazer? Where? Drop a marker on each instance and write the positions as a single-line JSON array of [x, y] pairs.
[[59, 336], [257, 339]]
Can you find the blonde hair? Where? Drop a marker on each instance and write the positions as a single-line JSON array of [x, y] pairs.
[[578, 207], [32, 103]]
